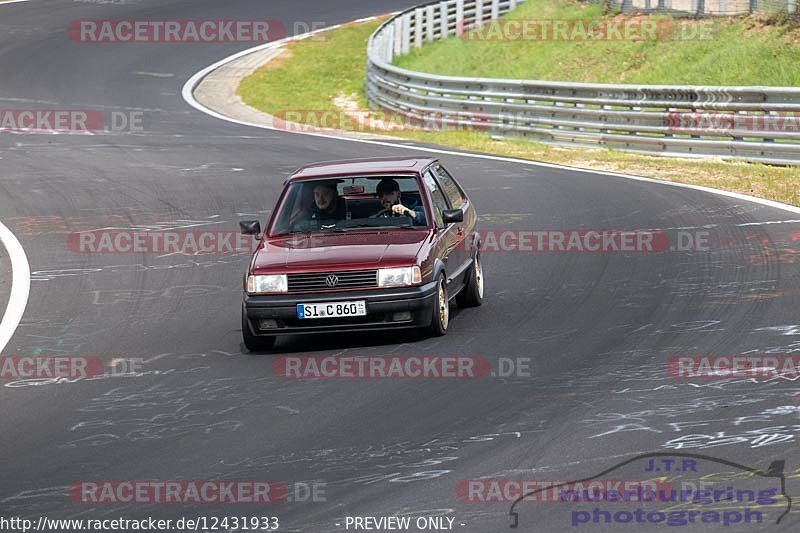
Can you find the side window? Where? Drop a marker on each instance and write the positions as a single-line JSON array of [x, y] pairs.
[[439, 203], [293, 207], [450, 188]]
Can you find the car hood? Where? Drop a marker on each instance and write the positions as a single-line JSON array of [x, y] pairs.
[[339, 250]]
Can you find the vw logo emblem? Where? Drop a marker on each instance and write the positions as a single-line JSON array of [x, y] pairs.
[[332, 280]]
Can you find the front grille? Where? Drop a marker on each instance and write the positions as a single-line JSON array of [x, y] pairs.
[[317, 281]]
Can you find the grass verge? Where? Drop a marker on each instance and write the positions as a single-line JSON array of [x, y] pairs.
[[315, 74], [755, 50]]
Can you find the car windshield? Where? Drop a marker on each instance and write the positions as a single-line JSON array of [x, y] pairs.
[[350, 204]]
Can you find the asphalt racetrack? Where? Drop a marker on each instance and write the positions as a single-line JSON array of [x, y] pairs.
[[587, 335]]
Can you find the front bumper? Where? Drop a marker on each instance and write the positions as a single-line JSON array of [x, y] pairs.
[[279, 311]]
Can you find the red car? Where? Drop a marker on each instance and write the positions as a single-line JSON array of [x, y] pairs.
[[362, 245]]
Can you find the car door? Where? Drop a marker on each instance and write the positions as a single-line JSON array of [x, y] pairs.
[[451, 235], [458, 200]]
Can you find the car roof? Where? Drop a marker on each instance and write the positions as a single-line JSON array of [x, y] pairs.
[[377, 165]]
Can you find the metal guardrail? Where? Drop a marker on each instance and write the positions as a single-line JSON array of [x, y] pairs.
[[705, 7], [751, 123]]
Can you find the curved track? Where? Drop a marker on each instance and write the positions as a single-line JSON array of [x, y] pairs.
[[598, 328]]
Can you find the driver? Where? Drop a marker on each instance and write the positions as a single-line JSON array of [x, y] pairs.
[[388, 191]]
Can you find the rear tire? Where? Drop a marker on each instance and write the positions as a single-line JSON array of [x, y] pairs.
[[255, 343], [472, 293], [441, 309]]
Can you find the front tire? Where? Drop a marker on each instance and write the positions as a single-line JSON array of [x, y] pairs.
[[441, 309], [472, 293], [255, 343]]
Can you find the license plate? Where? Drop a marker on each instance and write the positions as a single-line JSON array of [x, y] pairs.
[[332, 309]]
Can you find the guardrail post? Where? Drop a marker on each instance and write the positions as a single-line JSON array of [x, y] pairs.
[[397, 32], [459, 17], [388, 44], [406, 40], [443, 30], [418, 27], [495, 9], [380, 44], [479, 13], [429, 23]]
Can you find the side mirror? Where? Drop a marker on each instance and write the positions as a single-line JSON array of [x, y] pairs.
[[452, 215], [250, 227]]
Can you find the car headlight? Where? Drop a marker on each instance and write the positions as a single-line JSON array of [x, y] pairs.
[[394, 277], [267, 284]]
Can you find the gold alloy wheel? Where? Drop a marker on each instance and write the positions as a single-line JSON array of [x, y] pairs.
[[444, 309], [479, 275]]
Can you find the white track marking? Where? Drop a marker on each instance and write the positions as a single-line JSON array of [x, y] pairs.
[[20, 285], [20, 272]]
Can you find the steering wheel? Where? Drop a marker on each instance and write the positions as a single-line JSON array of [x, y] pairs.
[[382, 212]]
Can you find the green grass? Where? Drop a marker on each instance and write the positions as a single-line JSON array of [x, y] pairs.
[[320, 70], [738, 51], [316, 73]]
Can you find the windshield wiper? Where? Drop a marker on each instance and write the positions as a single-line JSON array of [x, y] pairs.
[[296, 232], [373, 226]]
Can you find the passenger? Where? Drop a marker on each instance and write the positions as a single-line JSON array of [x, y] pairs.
[[328, 205]]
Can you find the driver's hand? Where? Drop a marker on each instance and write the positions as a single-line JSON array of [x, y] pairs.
[[399, 209]]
